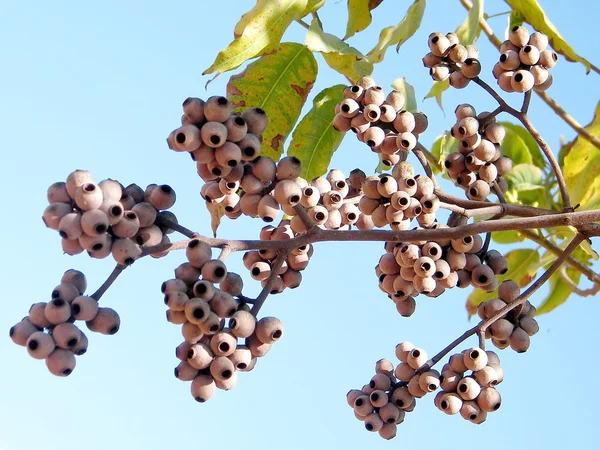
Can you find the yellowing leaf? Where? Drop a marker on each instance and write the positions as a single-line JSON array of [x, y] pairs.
[[436, 91], [312, 6], [400, 84], [581, 167], [278, 83], [468, 32], [217, 211], [337, 54], [521, 269], [263, 27], [441, 148], [533, 13], [359, 15], [399, 34], [315, 140]]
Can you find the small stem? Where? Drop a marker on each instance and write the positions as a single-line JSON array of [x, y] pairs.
[[526, 102], [303, 23], [262, 297], [486, 245], [459, 340], [109, 281], [484, 324], [225, 252], [306, 220], [481, 338], [420, 152], [160, 221], [498, 192], [562, 272]]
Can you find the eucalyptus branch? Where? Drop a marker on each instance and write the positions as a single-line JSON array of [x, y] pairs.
[[303, 23], [560, 112], [562, 272], [421, 153], [526, 102], [161, 221], [109, 281], [507, 208], [306, 220], [225, 252], [262, 297]]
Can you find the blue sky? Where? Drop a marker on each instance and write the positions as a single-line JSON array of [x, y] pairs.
[[98, 86]]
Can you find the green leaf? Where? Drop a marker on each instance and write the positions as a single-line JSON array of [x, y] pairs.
[[507, 237], [399, 34], [289, 73], [337, 54], [581, 166], [261, 30], [313, 6], [521, 147], [526, 186], [400, 84], [314, 140], [521, 269], [442, 147], [535, 15], [436, 91], [468, 32], [515, 18], [359, 15], [381, 167]]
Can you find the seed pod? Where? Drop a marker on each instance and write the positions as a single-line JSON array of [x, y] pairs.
[[489, 399], [373, 95], [448, 402], [378, 398], [269, 330], [439, 44], [429, 381], [475, 359], [40, 345], [107, 321], [468, 389], [487, 377], [416, 358], [449, 380], [61, 362], [65, 335], [519, 340], [529, 55], [84, 308], [482, 276], [203, 388], [522, 81], [256, 347]]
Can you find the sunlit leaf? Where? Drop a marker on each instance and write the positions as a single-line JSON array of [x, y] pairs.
[[314, 140], [581, 166], [261, 30], [337, 54], [515, 19], [521, 269], [507, 237], [526, 186], [535, 15], [289, 73], [313, 6], [468, 32], [521, 147], [359, 15], [382, 167], [436, 91], [400, 84], [399, 34], [442, 147]]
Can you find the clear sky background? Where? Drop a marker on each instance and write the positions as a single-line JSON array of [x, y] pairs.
[[98, 86]]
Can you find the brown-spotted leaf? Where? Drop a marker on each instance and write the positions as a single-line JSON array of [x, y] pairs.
[[278, 83]]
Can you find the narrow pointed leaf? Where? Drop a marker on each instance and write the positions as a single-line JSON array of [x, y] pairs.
[[468, 32], [337, 54], [289, 73], [359, 15], [263, 27], [581, 166], [533, 14], [315, 140], [436, 91], [399, 34]]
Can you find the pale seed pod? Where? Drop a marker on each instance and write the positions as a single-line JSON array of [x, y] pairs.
[[61, 362], [488, 172], [449, 380], [505, 81], [478, 190], [430, 60], [448, 402], [529, 325], [497, 70], [509, 60], [181, 351], [402, 398], [349, 108], [457, 363], [196, 310], [236, 128], [175, 317], [404, 372], [341, 123], [468, 389], [373, 423], [416, 358], [223, 304], [390, 414], [185, 372], [106, 321], [522, 81], [288, 168], [210, 326], [372, 112], [439, 44], [269, 330], [57, 311], [84, 308], [538, 40], [439, 72], [256, 120], [57, 192], [374, 136], [193, 109], [471, 68], [362, 406], [54, 213], [242, 324], [484, 152], [487, 377], [203, 387], [223, 343], [498, 264], [354, 92], [191, 332], [40, 345], [228, 384], [21, 332], [404, 122], [406, 141], [203, 290], [458, 53], [545, 85], [250, 147], [540, 75], [471, 412], [548, 59], [125, 251], [76, 179], [482, 276], [489, 399], [350, 213], [475, 359], [241, 358], [378, 398], [518, 36], [429, 381], [214, 271], [256, 347], [373, 95], [65, 335], [529, 55], [501, 329]]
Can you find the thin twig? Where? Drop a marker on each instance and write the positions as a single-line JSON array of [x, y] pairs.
[[562, 272], [526, 102], [262, 297], [303, 23], [109, 281], [306, 220], [162, 222], [428, 159], [225, 252]]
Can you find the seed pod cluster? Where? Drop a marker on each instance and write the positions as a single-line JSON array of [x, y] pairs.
[[449, 60], [479, 162], [468, 383], [221, 336], [108, 218], [409, 269], [49, 332], [396, 199], [382, 404], [525, 62], [260, 262], [515, 328], [379, 120], [226, 148]]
